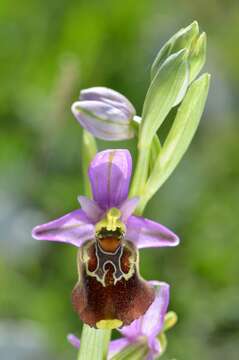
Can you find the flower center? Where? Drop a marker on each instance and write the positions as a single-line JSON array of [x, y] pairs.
[[108, 249], [110, 231]]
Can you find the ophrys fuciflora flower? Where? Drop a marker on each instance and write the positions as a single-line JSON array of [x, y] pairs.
[[110, 291]]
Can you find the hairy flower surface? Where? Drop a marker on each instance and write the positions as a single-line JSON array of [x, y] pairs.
[[108, 235], [143, 331], [105, 113]]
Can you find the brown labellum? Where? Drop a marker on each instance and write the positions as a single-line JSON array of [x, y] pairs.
[[109, 286]]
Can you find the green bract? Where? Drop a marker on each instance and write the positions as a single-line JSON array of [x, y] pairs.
[[197, 55], [190, 39], [179, 136], [167, 88], [154, 151], [174, 69]]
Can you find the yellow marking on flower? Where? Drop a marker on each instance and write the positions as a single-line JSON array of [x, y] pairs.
[[109, 324], [111, 222]]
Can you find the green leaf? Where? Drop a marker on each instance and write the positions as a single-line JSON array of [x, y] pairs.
[[179, 137], [89, 149], [154, 152], [94, 344], [181, 40], [186, 38], [197, 56], [167, 88]]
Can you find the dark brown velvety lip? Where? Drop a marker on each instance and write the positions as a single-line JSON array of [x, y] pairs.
[[125, 300]]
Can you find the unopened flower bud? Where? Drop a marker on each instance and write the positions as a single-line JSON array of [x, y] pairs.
[[105, 113], [187, 38]]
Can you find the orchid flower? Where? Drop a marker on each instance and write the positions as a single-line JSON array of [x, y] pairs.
[[143, 332], [110, 291]]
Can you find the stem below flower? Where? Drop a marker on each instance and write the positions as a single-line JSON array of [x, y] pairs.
[[89, 149], [94, 343]]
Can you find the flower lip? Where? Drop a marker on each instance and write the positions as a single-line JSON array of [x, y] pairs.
[[144, 329], [151, 323]]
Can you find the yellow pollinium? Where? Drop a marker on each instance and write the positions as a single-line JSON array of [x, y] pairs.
[[109, 324], [111, 221]]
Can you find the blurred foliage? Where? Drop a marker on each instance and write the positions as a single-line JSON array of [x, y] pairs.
[[51, 49]]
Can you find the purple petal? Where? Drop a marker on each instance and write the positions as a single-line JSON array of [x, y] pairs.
[[132, 331], [90, 208], [106, 95], [152, 321], [103, 111], [109, 174], [154, 348], [128, 207], [73, 228], [117, 345], [150, 356], [104, 121], [147, 233], [73, 340]]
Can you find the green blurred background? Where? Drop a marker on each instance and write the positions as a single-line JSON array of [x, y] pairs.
[[49, 51]]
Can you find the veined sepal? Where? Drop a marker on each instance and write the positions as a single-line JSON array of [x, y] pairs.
[[105, 113]]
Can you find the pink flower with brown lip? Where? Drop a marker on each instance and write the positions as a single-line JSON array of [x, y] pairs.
[[110, 289], [143, 331]]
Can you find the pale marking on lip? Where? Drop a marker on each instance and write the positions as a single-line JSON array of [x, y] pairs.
[[97, 273]]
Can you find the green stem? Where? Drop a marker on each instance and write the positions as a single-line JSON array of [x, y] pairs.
[[94, 344], [89, 149], [141, 172]]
